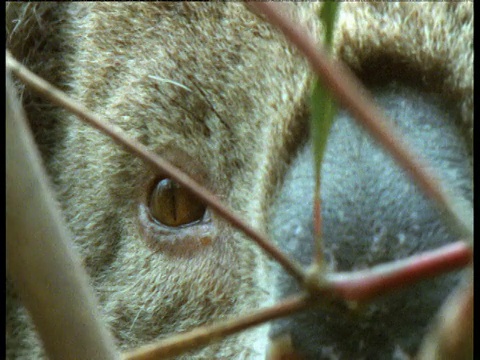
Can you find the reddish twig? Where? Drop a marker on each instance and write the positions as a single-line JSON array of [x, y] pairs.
[[201, 336], [368, 284]]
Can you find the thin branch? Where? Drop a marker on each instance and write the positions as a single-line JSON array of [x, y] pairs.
[[204, 335], [368, 284], [59, 98], [350, 93]]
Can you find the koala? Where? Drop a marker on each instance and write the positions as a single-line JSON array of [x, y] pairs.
[[220, 93]]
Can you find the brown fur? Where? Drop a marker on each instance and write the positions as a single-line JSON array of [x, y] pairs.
[[238, 124]]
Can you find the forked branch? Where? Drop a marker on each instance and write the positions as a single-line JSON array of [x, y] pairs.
[[352, 287]]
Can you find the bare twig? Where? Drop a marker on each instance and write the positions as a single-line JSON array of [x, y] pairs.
[[368, 284], [350, 93], [59, 98], [201, 336]]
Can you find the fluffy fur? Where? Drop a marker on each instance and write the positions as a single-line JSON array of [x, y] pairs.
[[219, 93]]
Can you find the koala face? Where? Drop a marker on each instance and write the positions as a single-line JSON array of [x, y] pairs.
[[220, 94]]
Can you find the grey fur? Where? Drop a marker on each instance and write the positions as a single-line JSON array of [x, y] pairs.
[[372, 213]]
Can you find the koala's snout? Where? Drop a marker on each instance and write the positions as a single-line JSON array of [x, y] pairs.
[[372, 213]]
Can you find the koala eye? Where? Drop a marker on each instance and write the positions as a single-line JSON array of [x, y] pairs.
[[173, 205]]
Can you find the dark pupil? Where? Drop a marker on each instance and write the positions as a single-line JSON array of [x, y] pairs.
[[173, 205]]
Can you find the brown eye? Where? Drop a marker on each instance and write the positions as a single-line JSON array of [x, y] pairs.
[[172, 205]]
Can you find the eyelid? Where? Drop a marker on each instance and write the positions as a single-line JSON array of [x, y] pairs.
[[178, 241], [187, 240]]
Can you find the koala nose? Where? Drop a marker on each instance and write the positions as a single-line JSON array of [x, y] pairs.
[[372, 213]]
